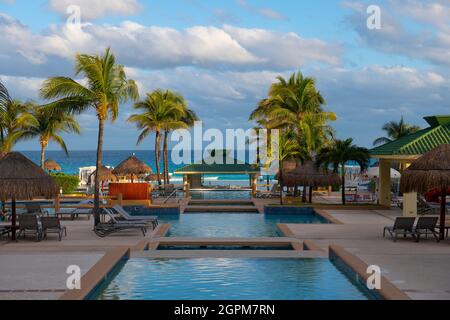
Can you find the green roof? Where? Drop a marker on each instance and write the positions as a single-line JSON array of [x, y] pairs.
[[218, 168], [420, 142]]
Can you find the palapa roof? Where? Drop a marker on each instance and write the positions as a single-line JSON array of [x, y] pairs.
[[51, 165], [430, 171], [105, 174], [420, 142], [22, 179], [308, 174], [132, 167]]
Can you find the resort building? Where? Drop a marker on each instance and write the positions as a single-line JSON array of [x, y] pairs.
[[405, 151]]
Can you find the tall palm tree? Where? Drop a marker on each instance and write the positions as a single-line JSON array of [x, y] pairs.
[[396, 130], [157, 114], [180, 120], [47, 124], [338, 154], [106, 88], [289, 100], [13, 118]]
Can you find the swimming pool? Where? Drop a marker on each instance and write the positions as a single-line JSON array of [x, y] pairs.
[[221, 195], [230, 279], [231, 225]]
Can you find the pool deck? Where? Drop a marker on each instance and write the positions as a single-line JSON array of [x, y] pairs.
[[418, 269], [37, 270]]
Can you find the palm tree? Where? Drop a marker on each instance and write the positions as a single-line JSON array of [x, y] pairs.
[[338, 154], [159, 112], [295, 107], [179, 120], [13, 118], [395, 131], [47, 124], [106, 87], [288, 149], [289, 100]]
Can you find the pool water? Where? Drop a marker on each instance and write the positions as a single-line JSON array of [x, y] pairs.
[[230, 279], [232, 225], [221, 195]]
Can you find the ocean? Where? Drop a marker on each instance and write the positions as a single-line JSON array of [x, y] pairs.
[[77, 159]]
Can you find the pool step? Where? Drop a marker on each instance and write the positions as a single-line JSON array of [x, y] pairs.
[[221, 202], [218, 208]]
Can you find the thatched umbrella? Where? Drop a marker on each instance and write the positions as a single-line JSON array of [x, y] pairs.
[[308, 174], [432, 170], [132, 167], [105, 175], [51, 165], [21, 179]]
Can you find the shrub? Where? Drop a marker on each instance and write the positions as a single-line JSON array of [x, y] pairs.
[[66, 182]]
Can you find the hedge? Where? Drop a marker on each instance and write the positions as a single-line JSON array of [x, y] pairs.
[[67, 182]]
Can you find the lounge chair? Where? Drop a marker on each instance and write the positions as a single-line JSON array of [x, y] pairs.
[[4, 231], [52, 225], [75, 213], [105, 229], [402, 226], [114, 225], [29, 224], [127, 217], [426, 225], [35, 208], [425, 207]]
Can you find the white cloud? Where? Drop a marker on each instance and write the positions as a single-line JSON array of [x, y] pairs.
[[93, 9], [152, 47], [429, 40]]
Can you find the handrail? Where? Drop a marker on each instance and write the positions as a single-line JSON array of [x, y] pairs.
[[174, 193]]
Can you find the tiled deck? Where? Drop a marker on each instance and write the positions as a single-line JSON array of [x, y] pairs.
[[419, 269]]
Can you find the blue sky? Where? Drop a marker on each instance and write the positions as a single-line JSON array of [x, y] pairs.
[[223, 56]]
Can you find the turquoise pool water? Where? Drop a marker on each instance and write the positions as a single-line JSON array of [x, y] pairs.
[[221, 195], [231, 225], [230, 279]]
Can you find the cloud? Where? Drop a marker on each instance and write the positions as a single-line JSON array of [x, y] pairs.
[[153, 47], [93, 9], [429, 40], [265, 12]]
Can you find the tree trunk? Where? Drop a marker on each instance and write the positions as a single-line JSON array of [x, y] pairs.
[[166, 157], [304, 194], [281, 185], [157, 144], [101, 125], [43, 155], [343, 188], [310, 194], [443, 211]]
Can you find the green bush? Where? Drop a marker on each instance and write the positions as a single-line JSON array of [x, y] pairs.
[[67, 182]]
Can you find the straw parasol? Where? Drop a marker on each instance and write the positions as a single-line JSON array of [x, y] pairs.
[[51, 165], [132, 167], [308, 174], [21, 179], [105, 174], [432, 170]]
